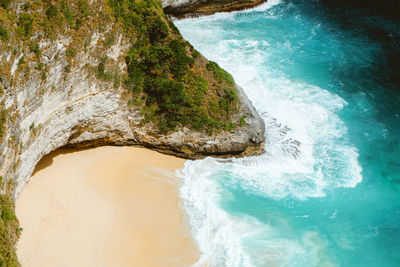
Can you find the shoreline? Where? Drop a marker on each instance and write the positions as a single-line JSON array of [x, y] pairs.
[[107, 206], [186, 11]]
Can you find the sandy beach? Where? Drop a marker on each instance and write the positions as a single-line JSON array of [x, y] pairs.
[[107, 206]]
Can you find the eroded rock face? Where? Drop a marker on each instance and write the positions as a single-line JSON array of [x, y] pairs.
[[75, 109], [180, 8]]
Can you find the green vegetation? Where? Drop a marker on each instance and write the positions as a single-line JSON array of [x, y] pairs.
[[167, 78], [82, 14], [3, 119], [25, 25], [70, 52], [43, 75], [39, 67], [220, 74], [3, 34], [109, 41], [172, 84], [66, 11], [62, 15], [9, 228], [101, 73], [67, 68], [164, 71], [5, 3], [21, 61], [52, 12], [242, 121], [35, 49]]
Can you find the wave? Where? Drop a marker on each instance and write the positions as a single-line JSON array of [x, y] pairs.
[[239, 241], [307, 153], [306, 144]]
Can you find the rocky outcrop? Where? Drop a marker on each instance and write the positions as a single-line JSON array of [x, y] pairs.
[[63, 76], [76, 109], [181, 8]]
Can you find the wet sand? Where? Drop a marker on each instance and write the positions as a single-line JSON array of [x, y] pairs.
[[107, 206]]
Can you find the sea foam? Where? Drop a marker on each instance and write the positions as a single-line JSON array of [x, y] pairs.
[[307, 152]]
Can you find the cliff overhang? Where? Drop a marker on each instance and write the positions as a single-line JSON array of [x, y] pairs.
[[72, 81]]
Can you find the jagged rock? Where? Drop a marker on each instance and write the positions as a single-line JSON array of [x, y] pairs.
[[180, 8]]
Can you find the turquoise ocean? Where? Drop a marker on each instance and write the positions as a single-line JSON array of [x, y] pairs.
[[327, 190]]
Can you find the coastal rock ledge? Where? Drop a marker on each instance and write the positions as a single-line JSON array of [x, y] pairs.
[[182, 8]]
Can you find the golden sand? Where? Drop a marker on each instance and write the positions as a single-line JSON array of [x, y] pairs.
[[108, 206]]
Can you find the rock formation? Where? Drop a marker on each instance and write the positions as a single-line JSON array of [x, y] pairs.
[[181, 8], [70, 106], [64, 79]]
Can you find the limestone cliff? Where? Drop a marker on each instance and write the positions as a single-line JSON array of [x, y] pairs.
[[68, 104], [86, 73], [180, 8]]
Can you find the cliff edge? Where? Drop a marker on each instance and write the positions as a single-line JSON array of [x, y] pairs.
[[87, 73]]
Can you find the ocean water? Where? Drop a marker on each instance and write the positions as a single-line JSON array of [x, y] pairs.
[[327, 191]]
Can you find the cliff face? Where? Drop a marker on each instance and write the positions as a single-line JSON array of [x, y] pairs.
[[86, 73], [181, 8], [54, 94], [80, 111]]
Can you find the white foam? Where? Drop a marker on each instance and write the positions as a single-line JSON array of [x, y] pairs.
[[307, 153], [263, 7], [213, 229], [237, 241], [304, 155]]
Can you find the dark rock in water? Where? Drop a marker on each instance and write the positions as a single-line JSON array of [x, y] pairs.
[[206, 7]]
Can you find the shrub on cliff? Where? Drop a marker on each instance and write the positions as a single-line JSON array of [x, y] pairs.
[[9, 231], [220, 74], [3, 118], [5, 3], [25, 23], [3, 34], [168, 73]]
